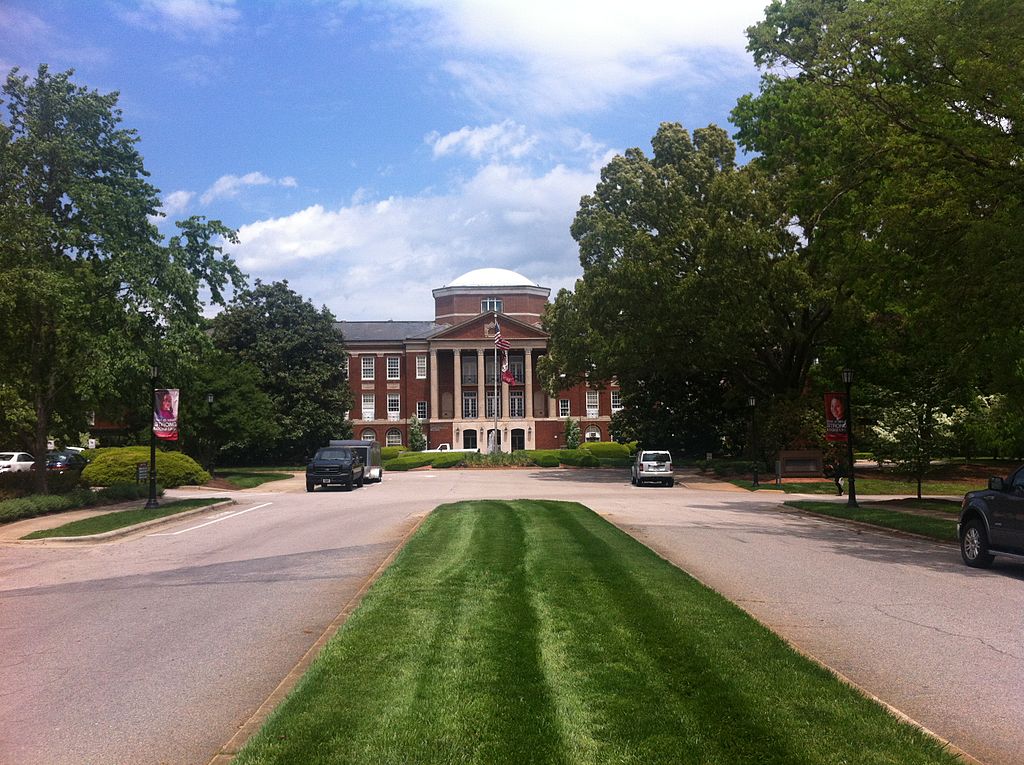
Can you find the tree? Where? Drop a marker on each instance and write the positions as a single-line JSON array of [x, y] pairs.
[[572, 433], [82, 268], [301, 357], [417, 441], [694, 293]]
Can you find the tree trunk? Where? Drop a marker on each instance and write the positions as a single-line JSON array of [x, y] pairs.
[[41, 438]]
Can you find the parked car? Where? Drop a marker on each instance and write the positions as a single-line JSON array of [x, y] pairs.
[[992, 521], [65, 461], [652, 466], [335, 466], [16, 462]]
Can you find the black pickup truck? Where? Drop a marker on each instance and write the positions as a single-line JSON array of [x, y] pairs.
[[335, 466], [992, 521]]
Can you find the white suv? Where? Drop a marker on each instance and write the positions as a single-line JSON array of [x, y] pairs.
[[651, 466]]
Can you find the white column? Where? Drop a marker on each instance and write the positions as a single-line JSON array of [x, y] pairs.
[[480, 392], [457, 410], [528, 362], [435, 413]]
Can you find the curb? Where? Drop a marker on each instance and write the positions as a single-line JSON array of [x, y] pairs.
[[128, 529]]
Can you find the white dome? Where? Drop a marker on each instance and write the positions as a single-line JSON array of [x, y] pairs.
[[492, 277]]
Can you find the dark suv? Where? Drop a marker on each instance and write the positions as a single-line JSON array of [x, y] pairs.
[[334, 466], [992, 521]]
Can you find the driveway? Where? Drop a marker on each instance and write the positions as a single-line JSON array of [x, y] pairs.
[[155, 648]]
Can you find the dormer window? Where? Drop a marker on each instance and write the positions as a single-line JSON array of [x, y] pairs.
[[490, 305]]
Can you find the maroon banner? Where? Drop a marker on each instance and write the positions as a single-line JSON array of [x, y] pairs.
[[165, 414], [835, 417]]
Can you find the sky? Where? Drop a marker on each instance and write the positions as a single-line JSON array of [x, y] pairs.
[[369, 152]]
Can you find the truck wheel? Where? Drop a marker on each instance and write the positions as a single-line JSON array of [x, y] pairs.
[[362, 478], [670, 482], [974, 545], [309, 486]]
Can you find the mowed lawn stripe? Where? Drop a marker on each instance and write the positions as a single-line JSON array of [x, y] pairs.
[[536, 632]]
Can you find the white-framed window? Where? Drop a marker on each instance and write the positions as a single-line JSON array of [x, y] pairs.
[[616, 401], [344, 365], [593, 433], [369, 406], [369, 434], [421, 409], [592, 403], [393, 437], [493, 402], [490, 305], [394, 367], [518, 369], [394, 406], [421, 367], [469, 405], [369, 363], [516, 404], [563, 407]]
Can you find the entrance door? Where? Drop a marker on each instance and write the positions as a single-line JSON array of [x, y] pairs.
[[518, 439]]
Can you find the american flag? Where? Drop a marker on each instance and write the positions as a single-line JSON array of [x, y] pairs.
[[499, 341]]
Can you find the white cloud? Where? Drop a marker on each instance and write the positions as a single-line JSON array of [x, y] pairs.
[[380, 260], [505, 139], [177, 202], [563, 56], [229, 186], [209, 18]]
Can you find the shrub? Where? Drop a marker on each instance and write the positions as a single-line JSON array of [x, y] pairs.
[[500, 459], [607, 449], [117, 466], [546, 460], [410, 461], [448, 460], [728, 467], [578, 458], [21, 484], [390, 452]]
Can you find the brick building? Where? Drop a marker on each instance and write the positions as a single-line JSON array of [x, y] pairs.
[[443, 372]]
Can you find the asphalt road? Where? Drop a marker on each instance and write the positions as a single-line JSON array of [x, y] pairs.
[[157, 647]]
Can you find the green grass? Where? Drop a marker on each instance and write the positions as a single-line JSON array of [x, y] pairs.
[[247, 478], [881, 486], [536, 632], [99, 524], [879, 515]]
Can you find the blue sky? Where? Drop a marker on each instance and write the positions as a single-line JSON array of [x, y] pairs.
[[369, 152]]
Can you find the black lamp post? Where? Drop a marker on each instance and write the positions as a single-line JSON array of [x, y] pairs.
[[851, 495], [151, 503], [209, 424], [752, 403]]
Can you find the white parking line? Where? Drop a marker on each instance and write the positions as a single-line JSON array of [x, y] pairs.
[[215, 520]]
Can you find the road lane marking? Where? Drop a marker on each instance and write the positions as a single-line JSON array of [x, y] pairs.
[[215, 520]]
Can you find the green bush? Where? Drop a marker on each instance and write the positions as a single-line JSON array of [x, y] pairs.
[[448, 460], [410, 461], [578, 458], [21, 484], [117, 466], [43, 504], [517, 458], [606, 449], [546, 460], [390, 452]]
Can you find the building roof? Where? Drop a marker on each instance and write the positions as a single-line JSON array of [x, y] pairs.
[[386, 331], [492, 277]]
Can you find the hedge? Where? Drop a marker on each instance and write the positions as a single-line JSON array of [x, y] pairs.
[[606, 449], [43, 504], [22, 484], [390, 452], [117, 465]]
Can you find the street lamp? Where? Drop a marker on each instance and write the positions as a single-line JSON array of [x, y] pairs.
[[210, 436], [151, 503], [851, 495], [752, 403]]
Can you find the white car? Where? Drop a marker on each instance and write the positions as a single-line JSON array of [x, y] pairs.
[[652, 467], [16, 462]]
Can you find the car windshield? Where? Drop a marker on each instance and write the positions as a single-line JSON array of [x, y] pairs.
[[334, 454], [657, 457], [6, 457]]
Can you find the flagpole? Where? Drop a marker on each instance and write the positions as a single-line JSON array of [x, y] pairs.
[[497, 394]]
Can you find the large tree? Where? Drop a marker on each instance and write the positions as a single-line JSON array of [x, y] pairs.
[[694, 293], [87, 287], [301, 357]]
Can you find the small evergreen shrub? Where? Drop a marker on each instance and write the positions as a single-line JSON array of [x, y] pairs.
[[117, 466], [390, 452], [546, 460], [410, 461], [43, 504], [607, 449], [448, 460]]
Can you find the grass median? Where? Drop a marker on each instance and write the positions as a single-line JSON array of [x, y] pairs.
[[99, 524], [535, 631], [892, 517]]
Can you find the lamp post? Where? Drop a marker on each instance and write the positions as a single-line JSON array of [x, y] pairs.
[[752, 403], [151, 503], [209, 424], [851, 495]]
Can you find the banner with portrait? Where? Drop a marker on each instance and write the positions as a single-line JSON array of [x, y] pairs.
[[835, 417], [165, 414]]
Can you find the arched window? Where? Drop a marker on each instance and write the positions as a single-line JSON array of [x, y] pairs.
[[369, 435], [593, 433], [393, 437]]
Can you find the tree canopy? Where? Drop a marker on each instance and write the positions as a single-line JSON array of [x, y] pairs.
[[89, 289]]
